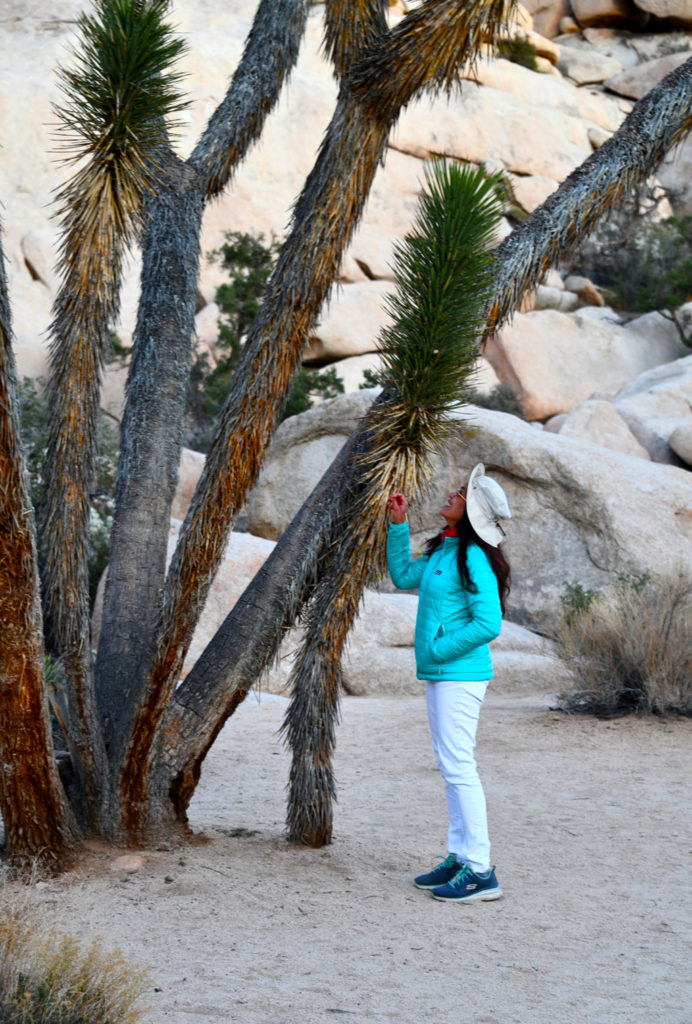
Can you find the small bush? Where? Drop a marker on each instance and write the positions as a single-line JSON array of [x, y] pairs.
[[519, 50], [47, 978], [629, 647]]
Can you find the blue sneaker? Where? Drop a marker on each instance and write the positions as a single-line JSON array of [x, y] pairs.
[[467, 886], [444, 872]]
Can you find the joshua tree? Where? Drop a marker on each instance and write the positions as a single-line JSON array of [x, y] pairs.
[[136, 743]]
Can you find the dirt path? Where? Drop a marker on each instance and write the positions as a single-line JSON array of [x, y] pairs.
[[591, 837]]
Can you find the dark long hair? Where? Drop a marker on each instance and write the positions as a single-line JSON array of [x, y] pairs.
[[467, 535]]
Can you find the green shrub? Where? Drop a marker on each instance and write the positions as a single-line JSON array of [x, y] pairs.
[[519, 50], [46, 978], [629, 647], [576, 600]]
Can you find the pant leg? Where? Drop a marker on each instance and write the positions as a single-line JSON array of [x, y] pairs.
[[453, 710]]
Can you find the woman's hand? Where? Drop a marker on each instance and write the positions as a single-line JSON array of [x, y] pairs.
[[397, 505]]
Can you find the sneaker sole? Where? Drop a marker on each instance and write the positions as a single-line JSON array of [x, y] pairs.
[[486, 894], [435, 885]]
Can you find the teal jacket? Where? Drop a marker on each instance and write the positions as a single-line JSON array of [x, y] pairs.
[[454, 625]]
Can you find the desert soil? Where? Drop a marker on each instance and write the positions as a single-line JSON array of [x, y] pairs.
[[591, 837]]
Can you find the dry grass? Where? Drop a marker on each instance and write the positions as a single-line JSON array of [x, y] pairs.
[[48, 978], [631, 650]]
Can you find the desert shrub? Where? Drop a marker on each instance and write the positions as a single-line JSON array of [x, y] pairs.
[[629, 647], [502, 398], [34, 416], [643, 261], [519, 50], [46, 978]]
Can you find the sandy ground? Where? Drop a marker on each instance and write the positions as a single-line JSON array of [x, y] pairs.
[[591, 837]]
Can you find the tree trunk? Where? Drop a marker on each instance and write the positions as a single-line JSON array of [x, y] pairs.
[[38, 825], [151, 443]]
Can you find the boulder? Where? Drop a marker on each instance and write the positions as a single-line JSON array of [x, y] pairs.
[[113, 389], [587, 66], [40, 248], [554, 93], [485, 379], [244, 556], [618, 13], [678, 12], [31, 354], [373, 252], [207, 330], [675, 174], [656, 404], [609, 42], [302, 448], [30, 302], [483, 123], [546, 15], [189, 472], [567, 27], [553, 279], [681, 441], [554, 360], [379, 659], [580, 513], [546, 297], [351, 323], [599, 422], [637, 81], [532, 189], [351, 370], [587, 292]]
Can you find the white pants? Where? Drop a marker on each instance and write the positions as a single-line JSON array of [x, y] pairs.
[[453, 710]]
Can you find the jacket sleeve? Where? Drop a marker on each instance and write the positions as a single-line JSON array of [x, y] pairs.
[[406, 574], [486, 613]]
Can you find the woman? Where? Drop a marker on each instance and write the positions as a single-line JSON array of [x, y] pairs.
[[463, 579]]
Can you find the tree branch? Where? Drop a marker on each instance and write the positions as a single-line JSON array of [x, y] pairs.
[[427, 49], [657, 122], [270, 54]]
